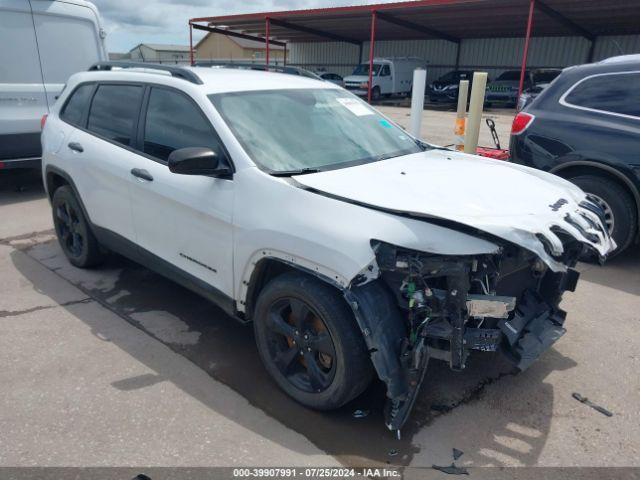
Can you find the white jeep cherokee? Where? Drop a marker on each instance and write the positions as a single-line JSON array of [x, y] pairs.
[[353, 247]]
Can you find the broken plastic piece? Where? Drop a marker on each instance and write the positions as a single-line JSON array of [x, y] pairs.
[[451, 469], [589, 403], [490, 305], [457, 454], [360, 413]]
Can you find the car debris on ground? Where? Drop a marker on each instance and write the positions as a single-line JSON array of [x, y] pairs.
[[589, 403]]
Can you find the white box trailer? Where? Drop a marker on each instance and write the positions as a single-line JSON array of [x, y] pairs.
[[391, 76], [42, 42]]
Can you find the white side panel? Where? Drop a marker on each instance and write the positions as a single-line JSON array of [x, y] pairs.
[[185, 220], [22, 98], [68, 40], [102, 174]]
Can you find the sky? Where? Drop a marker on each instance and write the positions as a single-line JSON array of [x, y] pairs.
[[130, 22]]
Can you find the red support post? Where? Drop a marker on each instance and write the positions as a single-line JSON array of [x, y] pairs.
[[372, 42], [267, 27], [191, 44], [527, 39]]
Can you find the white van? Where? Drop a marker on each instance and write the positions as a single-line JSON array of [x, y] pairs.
[[42, 42], [391, 76]]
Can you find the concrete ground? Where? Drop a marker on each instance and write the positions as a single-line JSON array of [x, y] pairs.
[[438, 122], [118, 366]]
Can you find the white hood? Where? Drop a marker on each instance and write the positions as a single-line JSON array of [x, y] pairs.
[[356, 78], [509, 201]]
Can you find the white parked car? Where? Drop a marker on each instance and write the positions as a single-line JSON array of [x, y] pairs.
[[42, 42], [391, 76], [354, 248]]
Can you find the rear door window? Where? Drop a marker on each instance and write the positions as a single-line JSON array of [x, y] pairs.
[[617, 93], [173, 121], [75, 108], [114, 112]]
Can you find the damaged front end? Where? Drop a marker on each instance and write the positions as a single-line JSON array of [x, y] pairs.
[[425, 306]]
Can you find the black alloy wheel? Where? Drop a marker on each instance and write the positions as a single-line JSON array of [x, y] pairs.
[[73, 231], [300, 345], [309, 341]]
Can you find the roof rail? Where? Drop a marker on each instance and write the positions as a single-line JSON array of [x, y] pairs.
[[175, 71], [257, 66]]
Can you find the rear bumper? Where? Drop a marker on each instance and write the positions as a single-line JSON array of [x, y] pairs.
[[20, 145]]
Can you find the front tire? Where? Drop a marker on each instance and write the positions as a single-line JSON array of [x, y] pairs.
[[309, 342], [73, 231], [620, 210]]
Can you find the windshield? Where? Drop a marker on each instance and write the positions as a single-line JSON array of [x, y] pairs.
[[454, 75], [310, 129], [364, 69], [510, 75], [545, 76]]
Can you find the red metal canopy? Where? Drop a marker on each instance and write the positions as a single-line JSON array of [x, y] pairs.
[[451, 20]]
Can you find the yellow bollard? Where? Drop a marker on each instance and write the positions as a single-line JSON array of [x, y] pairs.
[[475, 112], [458, 130]]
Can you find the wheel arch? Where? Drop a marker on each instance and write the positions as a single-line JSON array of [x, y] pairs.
[[373, 307], [56, 177], [588, 167], [268, 267]]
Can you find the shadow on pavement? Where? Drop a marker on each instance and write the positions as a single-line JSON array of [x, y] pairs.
[[198, 330], [20, 185]]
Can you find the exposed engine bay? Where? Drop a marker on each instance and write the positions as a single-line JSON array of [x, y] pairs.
[[443, 307]]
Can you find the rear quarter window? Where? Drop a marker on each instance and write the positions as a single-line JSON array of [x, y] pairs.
[[614, 93], [75, 108]]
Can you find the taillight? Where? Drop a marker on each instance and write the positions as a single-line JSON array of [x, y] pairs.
[[520, 123], [43, 120]]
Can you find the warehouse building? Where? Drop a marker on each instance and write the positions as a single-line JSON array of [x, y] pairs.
[[160, 53], [216, 46], [488, 35]]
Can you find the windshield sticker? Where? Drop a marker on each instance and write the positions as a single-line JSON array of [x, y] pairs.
[[355, 106], [385, 123]]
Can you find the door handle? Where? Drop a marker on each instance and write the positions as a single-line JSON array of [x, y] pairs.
[[141, 173], [76, 147]]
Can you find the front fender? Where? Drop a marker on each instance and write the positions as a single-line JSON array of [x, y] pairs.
[[335, 277]]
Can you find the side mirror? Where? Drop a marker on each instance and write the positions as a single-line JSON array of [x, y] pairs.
[[197, 161]]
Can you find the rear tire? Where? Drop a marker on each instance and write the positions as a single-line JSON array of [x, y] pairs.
[[620, 208], [309, 342], [73, 231]]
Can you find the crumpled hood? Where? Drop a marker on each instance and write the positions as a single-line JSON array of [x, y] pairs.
[[510, 201]]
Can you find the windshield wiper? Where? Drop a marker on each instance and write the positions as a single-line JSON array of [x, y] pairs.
[[300, 171], [425, 146]]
